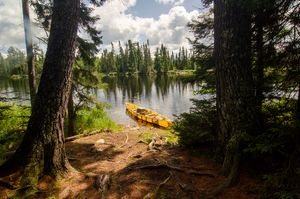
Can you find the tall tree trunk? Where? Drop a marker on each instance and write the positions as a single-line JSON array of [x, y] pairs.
[[29, 50], [259, 68], [42, 149], [71, 115], [235, 91], [298, 107]]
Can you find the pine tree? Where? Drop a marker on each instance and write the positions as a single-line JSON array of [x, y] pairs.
[[235, 94], [157, 61], [42, 150]]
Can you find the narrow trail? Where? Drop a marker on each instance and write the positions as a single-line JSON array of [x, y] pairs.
[[134, 164]]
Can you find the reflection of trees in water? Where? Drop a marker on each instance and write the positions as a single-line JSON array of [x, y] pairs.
[[165, 84], [133, 87], [14, 89]]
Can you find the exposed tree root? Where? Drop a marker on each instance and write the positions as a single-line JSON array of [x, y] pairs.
[[160, 185], [7, 185], [232, 178], [170, 167], [102, 184], [152, 144]]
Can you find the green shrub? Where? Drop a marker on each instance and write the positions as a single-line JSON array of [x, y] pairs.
[[275, 152], [199, 125]]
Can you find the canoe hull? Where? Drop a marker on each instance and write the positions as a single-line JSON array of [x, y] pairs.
[[148, 115]]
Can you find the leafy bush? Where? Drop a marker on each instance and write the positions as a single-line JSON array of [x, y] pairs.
[[199, 125], [275, 152]]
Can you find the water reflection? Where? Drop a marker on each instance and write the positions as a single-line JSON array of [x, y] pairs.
[[16, 90], [167, 95]]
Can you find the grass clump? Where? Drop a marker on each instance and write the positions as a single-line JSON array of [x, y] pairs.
[[13, 121], [146, 136], [167, 136], [92, 118]]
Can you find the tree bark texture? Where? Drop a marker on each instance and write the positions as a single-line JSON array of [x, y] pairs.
[[71, 115], [259, 66], [29, 50], [42, 149], [235, 87]]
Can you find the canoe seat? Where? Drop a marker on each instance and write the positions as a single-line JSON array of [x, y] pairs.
[[142, 111]]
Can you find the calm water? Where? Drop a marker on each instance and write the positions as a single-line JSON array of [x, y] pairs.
[[168, 95]]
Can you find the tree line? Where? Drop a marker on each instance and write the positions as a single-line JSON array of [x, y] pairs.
[[14, 63], [131, 58], [137, 58]]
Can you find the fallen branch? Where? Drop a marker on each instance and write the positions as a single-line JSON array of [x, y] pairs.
[[166, 166], [75, 137], [126, 141]]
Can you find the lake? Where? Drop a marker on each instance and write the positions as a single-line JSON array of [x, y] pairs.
[[168, 95]]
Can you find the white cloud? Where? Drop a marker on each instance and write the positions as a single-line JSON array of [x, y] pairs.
[[11, 23], [175, 2], [116, 25], [170, 28]]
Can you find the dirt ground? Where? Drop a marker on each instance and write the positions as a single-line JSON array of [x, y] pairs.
[[133, 171]]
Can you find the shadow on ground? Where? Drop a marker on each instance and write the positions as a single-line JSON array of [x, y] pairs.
[[134, 172]]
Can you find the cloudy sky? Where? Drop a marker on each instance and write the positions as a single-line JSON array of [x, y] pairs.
[[160, 21]]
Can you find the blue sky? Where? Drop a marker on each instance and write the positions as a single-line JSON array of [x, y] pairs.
[[160, 21], [152, 8]]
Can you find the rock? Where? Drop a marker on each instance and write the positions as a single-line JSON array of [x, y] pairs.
[[100, 141]]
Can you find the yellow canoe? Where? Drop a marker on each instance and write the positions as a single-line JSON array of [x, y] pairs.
[[148, 115]]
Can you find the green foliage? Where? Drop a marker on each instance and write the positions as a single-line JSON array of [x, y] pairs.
[[13, 64], [13, 121], [199, 125], [136, 58], [280, 129], [93, 118], [275, 151]]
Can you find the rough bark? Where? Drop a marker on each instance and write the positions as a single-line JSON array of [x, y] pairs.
[[42, 149], [71, 115], [235, 90], [259, 68], [298, 107], [29, 50]]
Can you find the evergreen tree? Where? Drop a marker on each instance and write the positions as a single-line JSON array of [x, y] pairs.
[[42, 149], [2, 65], [235, 94], [132, 57], [157, 61]]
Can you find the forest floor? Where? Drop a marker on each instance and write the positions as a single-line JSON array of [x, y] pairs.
[[125, 165]]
